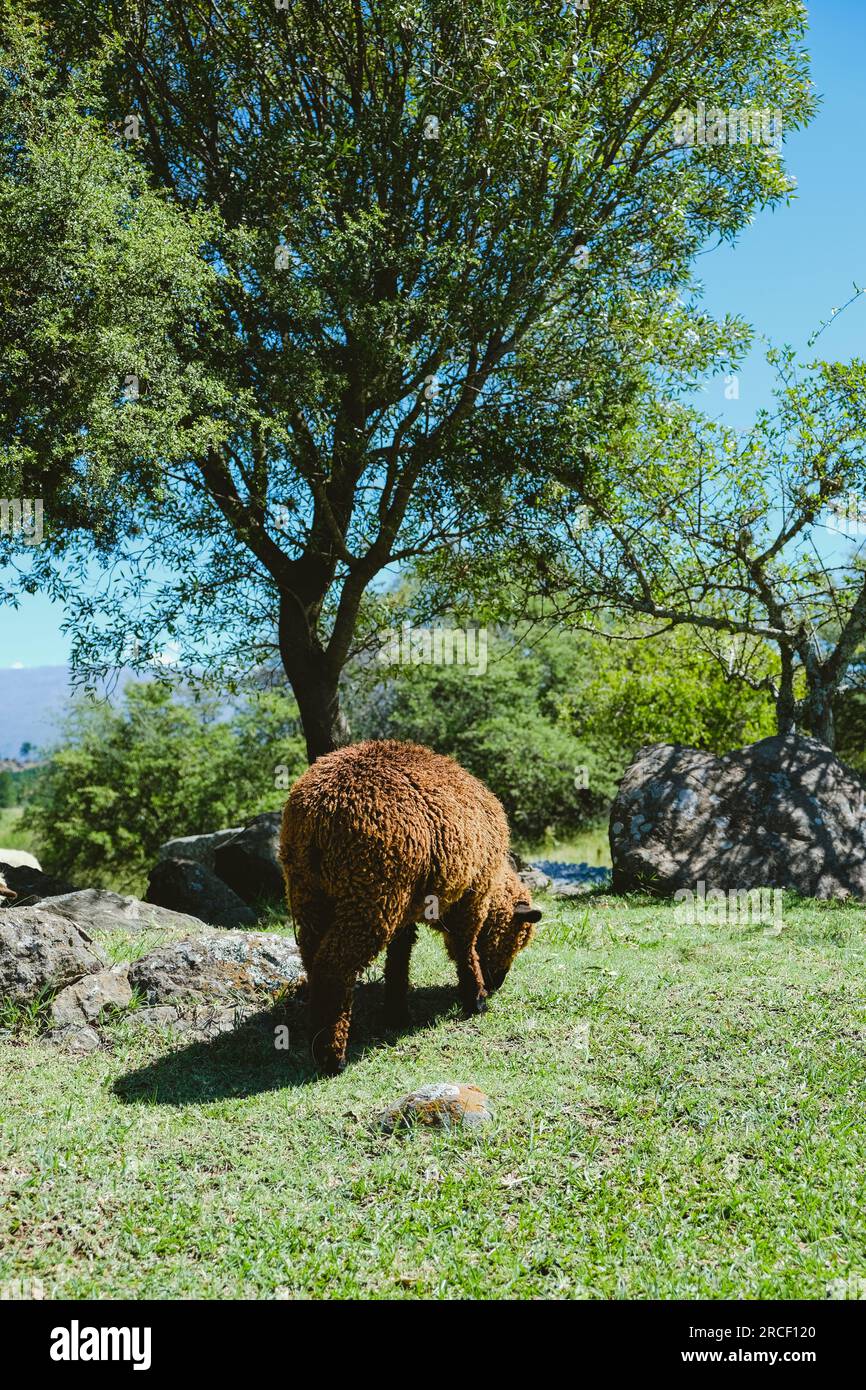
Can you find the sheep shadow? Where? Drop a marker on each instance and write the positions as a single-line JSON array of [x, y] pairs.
[[246, 1061]]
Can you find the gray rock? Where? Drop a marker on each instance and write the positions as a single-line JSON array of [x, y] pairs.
[[198, 848], [781, 813], [74, 1039], [184, 886], [221, 967], [84, 1002], [97, 910], [442, 1104], [561, 889], [19, 859], [40, 951], [249, 861], [534, 880], [30, 885]]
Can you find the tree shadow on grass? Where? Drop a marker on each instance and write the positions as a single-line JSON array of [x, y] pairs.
[[246, 1060]]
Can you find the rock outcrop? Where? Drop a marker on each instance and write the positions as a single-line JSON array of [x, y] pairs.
[[248, 862], [220, 966], [198, 848], [41, 952], [28, 882], [781, 813], [98, 911]]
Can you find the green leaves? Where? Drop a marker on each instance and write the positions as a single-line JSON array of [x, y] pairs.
[[328, 211], [101, 281], [125, 779]]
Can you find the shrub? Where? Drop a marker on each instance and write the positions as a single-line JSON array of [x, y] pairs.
[[124, 779], [8, 790]]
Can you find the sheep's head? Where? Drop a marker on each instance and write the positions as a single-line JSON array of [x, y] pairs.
[[510, 926]]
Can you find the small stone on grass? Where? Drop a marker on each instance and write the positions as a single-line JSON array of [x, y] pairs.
[[443, 1105]]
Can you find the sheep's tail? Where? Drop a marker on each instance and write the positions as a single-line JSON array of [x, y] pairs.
[[301, 860]]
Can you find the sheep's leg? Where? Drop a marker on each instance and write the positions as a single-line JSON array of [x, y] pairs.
[[348, 948], [461, 927], [312, 914], [397, 976], [330, 1016]]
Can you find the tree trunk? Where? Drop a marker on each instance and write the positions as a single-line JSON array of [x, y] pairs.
[[818, 714], [815, 712], [786, 705], [821, 684], [325, 726], [315, 685]]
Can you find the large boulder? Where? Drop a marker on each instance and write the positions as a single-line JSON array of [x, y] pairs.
[[198, 848], [98, 911], [220, 967], [184, 886], [249, 862], [27, 881], [41, 952], [781, 813]]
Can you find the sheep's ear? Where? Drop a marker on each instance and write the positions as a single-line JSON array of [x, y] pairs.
[[524, 913]]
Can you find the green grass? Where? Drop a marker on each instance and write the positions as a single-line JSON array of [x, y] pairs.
[[679, 1113], [590, 846], [11, 834]]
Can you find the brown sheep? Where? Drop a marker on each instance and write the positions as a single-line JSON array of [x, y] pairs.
[[377, 837]]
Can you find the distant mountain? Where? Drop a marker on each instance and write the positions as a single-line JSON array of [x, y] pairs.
[[31, 700]]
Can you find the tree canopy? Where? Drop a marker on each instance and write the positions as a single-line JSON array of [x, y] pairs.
[[423, 251]]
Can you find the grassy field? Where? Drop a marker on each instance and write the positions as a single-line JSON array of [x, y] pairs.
[[11, 834], [591, 846], [678, 1114]]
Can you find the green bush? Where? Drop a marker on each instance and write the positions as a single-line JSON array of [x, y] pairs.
[[666, 689], [124, 779], [8, 790]]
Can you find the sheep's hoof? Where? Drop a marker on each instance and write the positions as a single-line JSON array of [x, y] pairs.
[[332, 1066], [475, 1006], [328, 1062]]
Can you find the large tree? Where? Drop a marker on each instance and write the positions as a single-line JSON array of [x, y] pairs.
[[443, 234], [754, 539]]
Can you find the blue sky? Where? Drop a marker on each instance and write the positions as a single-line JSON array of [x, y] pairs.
[[795, 264], [785, 274]]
